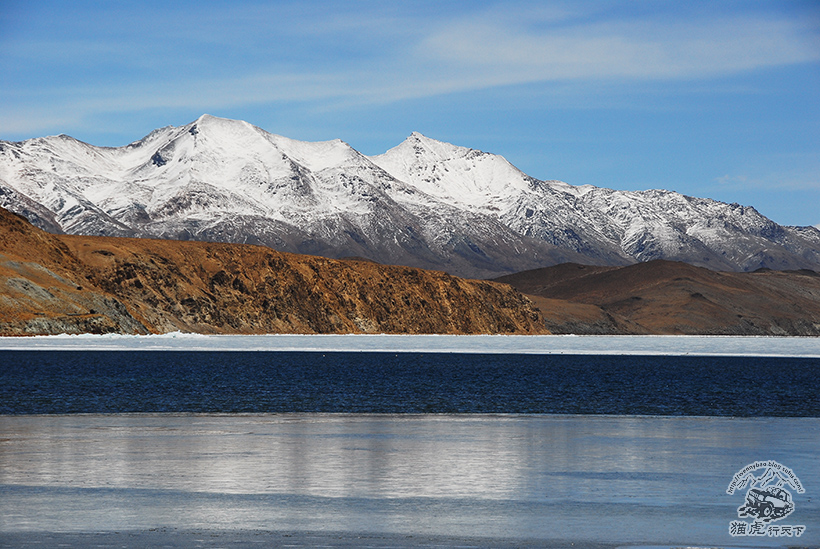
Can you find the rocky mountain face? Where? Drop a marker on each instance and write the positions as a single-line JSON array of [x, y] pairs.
[[423, 203], [52, 284], [666, 297]]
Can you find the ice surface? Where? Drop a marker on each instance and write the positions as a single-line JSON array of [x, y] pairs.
[[613, 479], [808, 347]]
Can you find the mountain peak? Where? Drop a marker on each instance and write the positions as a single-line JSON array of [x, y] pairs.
[[245, 139], [227, 126], [218, 120], [205, 117], [458, 175], [423, 145]]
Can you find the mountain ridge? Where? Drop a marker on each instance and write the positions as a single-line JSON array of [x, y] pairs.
[[668, 297], [423, 203]]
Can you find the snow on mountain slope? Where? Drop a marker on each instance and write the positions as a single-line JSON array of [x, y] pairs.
[[456, 175], [423, 203], [600, 223]]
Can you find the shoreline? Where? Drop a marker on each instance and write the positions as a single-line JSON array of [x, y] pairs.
[[631, 345]]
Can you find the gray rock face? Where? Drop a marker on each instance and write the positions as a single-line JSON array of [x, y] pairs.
[[423, 203]]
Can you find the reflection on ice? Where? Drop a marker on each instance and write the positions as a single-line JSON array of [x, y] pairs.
[[606, 478]]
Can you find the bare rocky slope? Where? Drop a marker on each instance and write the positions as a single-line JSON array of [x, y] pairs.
[[52, 284], [667, 297]]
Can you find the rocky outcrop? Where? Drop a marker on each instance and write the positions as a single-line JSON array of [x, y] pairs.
[[71, 284]]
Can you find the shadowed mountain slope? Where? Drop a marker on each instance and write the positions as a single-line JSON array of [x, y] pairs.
[[72, 284]]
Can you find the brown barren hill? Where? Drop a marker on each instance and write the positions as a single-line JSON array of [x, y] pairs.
[[668, 297], [74, 284]]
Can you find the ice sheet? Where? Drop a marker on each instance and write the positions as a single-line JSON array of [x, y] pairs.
[[612, 479], [599, 345]]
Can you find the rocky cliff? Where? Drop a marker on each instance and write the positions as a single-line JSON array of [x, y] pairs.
[[72, 284]]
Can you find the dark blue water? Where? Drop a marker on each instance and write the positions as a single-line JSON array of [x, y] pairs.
[[60, 382]]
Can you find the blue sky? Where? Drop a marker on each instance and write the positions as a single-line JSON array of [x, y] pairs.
[[718, 99]]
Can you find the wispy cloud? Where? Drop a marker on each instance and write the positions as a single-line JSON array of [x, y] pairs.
[[510, 52], [791, 180], [376, 55]]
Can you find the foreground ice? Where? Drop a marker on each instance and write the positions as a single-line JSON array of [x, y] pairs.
[[581, 479], [611, 345]]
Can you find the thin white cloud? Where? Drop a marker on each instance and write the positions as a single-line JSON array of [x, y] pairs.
[[395, 56], [465, 55], [786, 179], [511, 52], [29, 122], [731, 180]]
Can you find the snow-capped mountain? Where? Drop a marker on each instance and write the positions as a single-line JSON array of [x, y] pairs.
[[423, 203]]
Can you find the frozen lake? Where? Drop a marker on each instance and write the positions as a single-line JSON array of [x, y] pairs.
[[399, 480], [598, 345], [620, 480]]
